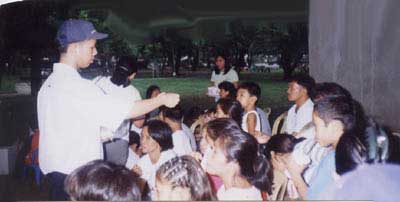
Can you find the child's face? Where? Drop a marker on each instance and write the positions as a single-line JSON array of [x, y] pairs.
[[244, 98], [327, 134], [220, 62], [220, 113], [295, 91], [223, 93], [166, 192], [217, 162], [155, 93], [148, 144]]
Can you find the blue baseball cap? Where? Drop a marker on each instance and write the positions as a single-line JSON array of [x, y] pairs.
[[75, 30]]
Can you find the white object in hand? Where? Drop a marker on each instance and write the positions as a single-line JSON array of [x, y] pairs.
[[213, 91]]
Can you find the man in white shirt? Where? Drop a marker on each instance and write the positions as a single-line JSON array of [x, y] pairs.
[[299, 122], [299, 92], [72, 110], [181, 141]]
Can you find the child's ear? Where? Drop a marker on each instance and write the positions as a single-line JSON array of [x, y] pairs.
[[253, 99], [335, 128]]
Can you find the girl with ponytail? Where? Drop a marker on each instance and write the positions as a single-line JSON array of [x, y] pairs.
[[235, 158], [338, 124]]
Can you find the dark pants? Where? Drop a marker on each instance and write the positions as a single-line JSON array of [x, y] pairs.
[[57, 192]]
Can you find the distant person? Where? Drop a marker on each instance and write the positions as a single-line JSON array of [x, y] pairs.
[[102, 181], [222, 72], [72, 110], [151, 92]]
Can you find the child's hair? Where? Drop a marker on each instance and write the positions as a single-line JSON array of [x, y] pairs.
[[227, 65], [126, 66], [232, 108], [243, 148], [229, 87], [282, 143], [192, 115], [161, 133], [150, 90], [186, 172], [304, 80], [251, 87], [350, 150], [102, 181], [175, 114], [330, 89], [134, 138]]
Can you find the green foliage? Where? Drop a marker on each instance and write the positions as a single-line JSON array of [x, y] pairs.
[[114, 44]]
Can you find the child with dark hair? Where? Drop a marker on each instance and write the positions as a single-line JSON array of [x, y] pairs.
[[248, 94], [229, 108], [280, 148], [183, 179], [300, 91], [156, 143], [119, 84], [336, 126], [102, 181], [235, 158], [181, 140], [152, 91], [227, 90], [134, 152]]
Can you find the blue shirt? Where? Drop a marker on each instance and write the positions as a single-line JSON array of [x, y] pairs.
[[322, 177]]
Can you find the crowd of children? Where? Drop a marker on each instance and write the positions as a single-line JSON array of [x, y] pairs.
[[229, 152]]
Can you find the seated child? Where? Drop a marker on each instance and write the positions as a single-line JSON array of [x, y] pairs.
[[102, 181], [248, 94], [183, 179], [181, 140]]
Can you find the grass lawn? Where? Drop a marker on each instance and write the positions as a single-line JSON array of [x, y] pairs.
[[192, 90]]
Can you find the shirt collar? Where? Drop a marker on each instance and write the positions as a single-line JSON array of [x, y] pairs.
[[65, 69]]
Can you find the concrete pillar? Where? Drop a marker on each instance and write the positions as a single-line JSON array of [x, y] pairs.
[[356, 43]]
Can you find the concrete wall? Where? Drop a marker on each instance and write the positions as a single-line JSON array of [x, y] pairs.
[[356, 43]]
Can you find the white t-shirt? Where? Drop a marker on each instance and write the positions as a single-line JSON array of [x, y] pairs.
[[230, 76], [132, 160], [295, 121], [244, 121], [190, 135], [181, 143], [71, 111], [234, 193], [128, 92], [149, 169]]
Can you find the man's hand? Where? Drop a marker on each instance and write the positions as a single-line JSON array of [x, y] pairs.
[[169, 99]]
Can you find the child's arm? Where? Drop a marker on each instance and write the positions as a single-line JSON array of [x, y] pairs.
[[251, 124]]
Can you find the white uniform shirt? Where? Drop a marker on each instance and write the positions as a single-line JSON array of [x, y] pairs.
[[149, 169], [230, 76], [71, 111], [297, 120], [132, 160], [181, 143], [128, 92], [239, 194], [190, 135], [244, 121]]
